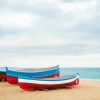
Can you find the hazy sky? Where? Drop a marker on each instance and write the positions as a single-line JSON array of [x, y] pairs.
[[50, 32]]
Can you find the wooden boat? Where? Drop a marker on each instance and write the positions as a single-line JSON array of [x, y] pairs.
[[12, 74], [3, 73], [58, 82]]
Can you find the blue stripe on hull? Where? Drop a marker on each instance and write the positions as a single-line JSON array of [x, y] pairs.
[[32, 74]]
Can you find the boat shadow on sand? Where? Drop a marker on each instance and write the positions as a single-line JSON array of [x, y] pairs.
[[53, 89], [43, 89], [3, 80]]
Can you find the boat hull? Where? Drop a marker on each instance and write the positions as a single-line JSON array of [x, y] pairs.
[[3, 76], [12, 75], [12, 79], [26, 85]]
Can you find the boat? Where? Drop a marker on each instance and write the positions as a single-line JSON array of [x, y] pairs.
[[13, 73], [48, 83], [3, 73]]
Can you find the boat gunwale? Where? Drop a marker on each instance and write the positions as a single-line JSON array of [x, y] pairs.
[[61, 78], [34, 70]]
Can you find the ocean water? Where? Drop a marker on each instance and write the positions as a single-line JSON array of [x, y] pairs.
[[91, 73]]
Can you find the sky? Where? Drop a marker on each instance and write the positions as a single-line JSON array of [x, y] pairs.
[[42, 33]]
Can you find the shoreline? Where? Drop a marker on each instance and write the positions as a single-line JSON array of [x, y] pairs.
[[88, 89]]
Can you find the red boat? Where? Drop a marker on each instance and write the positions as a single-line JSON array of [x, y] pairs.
[[58, 82]]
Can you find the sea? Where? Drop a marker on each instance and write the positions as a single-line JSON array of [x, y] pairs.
[[90, 73]]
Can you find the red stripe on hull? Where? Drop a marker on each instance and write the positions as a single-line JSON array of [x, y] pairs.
[[14, 80], [3, 77], [31, 86], [53, 75]]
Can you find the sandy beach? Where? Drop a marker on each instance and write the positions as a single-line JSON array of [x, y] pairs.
[[88, 89]]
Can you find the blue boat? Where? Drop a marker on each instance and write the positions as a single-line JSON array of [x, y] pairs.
[[14, 73]]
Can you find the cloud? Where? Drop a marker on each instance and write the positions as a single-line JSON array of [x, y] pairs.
[[25, 40], [12, 19], [29, 44], [91, 60], [71, 1], [53, 29]]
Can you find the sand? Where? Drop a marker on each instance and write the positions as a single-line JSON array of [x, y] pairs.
[[88, 89]]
